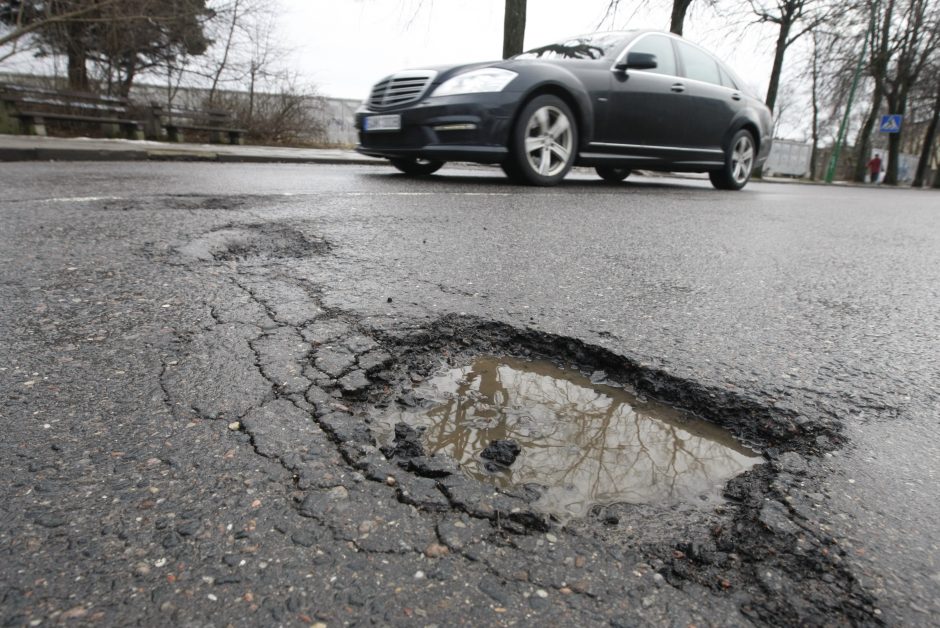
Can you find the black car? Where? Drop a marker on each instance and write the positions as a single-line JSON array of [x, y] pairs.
[[616, 101]]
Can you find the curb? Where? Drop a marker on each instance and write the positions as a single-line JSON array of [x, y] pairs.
[[85, 154]]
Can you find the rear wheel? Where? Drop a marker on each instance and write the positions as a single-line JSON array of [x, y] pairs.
[[544, 142], [739, 163], [417, 167], [612, 175]]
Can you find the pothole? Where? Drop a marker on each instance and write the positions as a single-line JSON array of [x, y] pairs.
[[184, 202], [238, 242], [582, 441]]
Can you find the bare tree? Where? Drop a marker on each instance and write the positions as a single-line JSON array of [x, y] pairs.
[[139, 35], [829, 73], [247, 74], [232, 20], [906, 33], [929, 147], [124, 38], [920, 31], [793, 18], [815, 80], [677, 15], [26, 18]]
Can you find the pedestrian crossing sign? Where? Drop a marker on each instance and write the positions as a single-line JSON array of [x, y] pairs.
[[891, 123]]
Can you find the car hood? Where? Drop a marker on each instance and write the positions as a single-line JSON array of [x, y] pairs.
[[445, 72]]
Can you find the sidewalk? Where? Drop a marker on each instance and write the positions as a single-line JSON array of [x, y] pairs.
[[33, 148]]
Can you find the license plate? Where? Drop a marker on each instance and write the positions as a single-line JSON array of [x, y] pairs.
[[382, 123]]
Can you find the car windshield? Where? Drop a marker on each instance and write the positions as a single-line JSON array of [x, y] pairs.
[[594, 46]]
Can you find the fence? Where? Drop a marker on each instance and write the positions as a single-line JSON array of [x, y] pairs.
[[332, 117], [787, 158]]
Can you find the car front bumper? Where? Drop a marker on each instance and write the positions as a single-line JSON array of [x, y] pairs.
[[466, 127]]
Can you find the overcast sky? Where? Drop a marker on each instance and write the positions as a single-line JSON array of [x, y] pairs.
[[344, 46]]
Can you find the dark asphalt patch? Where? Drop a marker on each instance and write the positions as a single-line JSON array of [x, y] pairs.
[[262, 240], [187, 203]]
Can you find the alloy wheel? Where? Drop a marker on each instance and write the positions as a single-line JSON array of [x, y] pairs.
[[742, 159], [549, 141]]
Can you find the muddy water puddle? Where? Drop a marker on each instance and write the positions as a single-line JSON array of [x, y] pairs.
[[582, 443]]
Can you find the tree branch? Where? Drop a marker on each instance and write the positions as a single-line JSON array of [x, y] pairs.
[[22, 31]]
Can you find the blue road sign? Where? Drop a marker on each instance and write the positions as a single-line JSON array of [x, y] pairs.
[[891, 123]]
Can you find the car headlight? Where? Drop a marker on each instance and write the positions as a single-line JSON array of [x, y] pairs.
[[476, 81]]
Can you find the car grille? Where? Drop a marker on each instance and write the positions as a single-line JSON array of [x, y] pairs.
[[399, 89]]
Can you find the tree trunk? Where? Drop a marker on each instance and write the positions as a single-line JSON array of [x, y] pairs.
[[894, 153], [677, 20], [217, 76], [929, 139], [251, 96], [78, 73], [782, 43], [127, 81], [814, 153], [514, 28], [863, 144], [77, 57], [897, 104], [878, 69]]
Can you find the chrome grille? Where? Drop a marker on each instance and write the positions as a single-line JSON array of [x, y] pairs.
[[399, 89]]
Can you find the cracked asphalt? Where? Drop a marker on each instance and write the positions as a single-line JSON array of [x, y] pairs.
[[194, 353]]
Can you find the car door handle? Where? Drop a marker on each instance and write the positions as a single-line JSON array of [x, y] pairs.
[[735, 96], [678, 88]]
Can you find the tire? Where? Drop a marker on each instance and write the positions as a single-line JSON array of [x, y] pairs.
[[544, 142], [417, 167], [511, 171], [739, 163], [612, 175]]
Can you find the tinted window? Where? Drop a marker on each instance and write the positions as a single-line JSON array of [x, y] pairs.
[[698, 65], [662, 48]]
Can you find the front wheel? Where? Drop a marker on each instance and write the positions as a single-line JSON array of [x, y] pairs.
[[544, 142], [612, 175], [417, 167], [739, 163]]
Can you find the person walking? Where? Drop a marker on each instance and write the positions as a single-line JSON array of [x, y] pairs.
[[874, 168]]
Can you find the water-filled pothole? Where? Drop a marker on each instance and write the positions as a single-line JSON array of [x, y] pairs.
[[583, 443]]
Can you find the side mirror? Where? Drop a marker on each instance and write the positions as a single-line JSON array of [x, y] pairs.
[[638, 61]]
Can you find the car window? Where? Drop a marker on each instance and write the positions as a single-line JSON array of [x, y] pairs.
[[726, 79], [593, 46], [698, 65], [662, 48]]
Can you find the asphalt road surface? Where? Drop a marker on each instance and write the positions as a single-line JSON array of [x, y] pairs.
[[193, 356]]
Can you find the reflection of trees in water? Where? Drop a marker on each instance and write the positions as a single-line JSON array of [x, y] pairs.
[[587, 446]]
